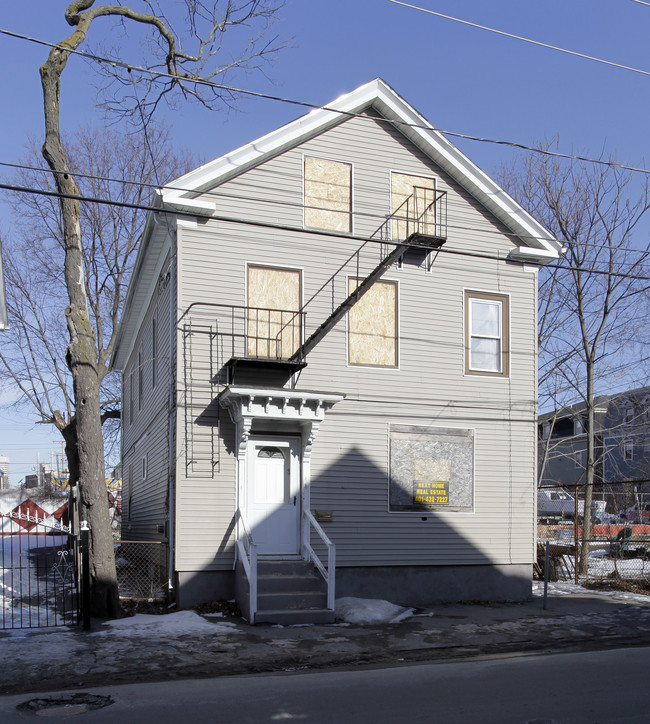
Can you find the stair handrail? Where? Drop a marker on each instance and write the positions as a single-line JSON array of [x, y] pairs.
[[329, 573], [248, 559]]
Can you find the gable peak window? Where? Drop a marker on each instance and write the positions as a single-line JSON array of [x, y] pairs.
[[487, 334], [328, 194]]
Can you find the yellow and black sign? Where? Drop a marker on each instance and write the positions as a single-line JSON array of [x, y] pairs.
[[427, 492]]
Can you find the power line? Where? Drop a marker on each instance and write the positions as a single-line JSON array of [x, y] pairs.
[[310, 232], [158, 75], [218, 194], [526, 40]]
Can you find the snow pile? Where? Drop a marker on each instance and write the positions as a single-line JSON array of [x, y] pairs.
[[170, 624], [370, 610]]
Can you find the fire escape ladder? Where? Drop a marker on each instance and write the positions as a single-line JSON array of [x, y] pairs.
[[420, 222]]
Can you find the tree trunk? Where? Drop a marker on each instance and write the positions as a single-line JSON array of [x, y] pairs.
[[589, 471], [81, 356]]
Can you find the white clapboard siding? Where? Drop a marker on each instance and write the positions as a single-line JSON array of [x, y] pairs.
[[145, 506], [350, 456]]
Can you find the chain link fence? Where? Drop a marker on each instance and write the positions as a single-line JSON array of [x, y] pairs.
[[618, 555], [142, 571]]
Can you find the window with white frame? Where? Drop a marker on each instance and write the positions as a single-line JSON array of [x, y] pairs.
[[487, 334], [579, 459], [628, 451], [154, 352], [140, 379], [131, 398]]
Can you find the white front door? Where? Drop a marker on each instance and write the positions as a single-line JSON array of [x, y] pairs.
[[273, 495]]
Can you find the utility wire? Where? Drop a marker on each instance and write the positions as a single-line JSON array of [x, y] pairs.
[[217, 194], [310, 232], [156, 75], [524, 39]]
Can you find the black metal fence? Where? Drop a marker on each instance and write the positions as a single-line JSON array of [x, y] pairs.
[[39, 585]]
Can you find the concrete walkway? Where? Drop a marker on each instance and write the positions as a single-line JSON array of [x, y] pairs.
[[186, 645]]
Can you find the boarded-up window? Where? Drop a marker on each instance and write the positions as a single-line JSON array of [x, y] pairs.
[[412, 202], [273, 325], [372, 325], [328, 195], [431, 468]]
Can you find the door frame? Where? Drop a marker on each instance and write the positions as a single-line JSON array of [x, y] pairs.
[[293, 443]]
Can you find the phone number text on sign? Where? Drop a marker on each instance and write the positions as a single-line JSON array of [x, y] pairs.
[[431, 493]]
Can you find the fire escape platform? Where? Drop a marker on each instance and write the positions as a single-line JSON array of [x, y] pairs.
[[426, 242], [249, 368]]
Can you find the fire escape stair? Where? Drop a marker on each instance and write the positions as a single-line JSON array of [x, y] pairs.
[[349, 302]]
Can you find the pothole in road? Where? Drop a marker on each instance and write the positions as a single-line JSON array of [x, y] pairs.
[[65, 705]]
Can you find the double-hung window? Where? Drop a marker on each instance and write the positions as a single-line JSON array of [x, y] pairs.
[[487, 334]]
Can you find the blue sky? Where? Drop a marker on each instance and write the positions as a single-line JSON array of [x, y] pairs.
[[461, 78]]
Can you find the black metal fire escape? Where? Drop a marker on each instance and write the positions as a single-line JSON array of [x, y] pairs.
[[420, 222]]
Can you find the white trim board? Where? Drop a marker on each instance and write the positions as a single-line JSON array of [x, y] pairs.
[[379, 95]]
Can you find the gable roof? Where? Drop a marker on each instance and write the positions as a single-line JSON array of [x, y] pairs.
[[537, 243]]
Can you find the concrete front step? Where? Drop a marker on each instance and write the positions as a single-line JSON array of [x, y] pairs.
[[296, 584], [292, 567], [291, 591], [288, 600], [303, 616]]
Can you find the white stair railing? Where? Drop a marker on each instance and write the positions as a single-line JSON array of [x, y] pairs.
[[247, 550], [329, 573]]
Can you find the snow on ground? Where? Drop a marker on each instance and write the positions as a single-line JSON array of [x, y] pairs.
[[170, 624], [601, 565], [370, 610], [25, 599], [566, 588]]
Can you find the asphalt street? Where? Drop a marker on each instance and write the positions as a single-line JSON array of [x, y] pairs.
[[568, 688]]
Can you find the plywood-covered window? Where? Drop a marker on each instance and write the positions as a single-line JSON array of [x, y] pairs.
[[372, 325], [412, 203], [487, 334], [273, 324], [328, 194]]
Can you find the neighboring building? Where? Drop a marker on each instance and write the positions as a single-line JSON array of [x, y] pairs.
[[332, 338], [4, 473], [42, 478], [622, 448]]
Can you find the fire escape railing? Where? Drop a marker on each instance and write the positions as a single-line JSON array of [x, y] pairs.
[[420, 221]]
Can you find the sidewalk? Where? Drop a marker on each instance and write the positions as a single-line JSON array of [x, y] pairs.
[[188, 645]]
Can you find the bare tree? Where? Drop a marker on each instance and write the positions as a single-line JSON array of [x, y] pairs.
[[185, 65], [589, 302], [32, 356]]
